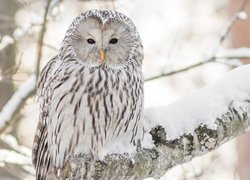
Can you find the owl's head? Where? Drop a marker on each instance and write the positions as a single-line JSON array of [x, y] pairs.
[[103, 37]]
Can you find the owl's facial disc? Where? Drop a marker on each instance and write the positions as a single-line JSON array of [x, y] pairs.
[[96, 42], [117, 42]]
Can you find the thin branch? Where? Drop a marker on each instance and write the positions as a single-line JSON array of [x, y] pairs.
[[50, 47], [12, 70], [41, 39], [239, 53], [237, 16], [181, 69]]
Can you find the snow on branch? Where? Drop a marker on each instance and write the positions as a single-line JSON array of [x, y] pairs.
[[15, 158], [187, 128], [12, 106]]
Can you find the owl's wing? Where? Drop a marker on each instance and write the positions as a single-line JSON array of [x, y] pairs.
[[40, 152]]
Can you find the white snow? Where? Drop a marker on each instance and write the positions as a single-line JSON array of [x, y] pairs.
[[5, 41], [242, 15], [12, 105], [11, 141], [201, 107], [13, 158]]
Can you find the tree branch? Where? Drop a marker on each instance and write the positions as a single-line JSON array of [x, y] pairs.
[[16, 102], [41, 39], [239, 15], [15, 157], [238, 53], [28, 88], [190, 127], [5, 42], [211, 59]]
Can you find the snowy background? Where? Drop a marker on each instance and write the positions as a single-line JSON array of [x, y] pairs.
[[175, 33]]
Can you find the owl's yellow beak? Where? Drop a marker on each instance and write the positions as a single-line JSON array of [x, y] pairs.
[[102, 56]]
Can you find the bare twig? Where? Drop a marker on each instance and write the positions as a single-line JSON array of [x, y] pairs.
[[41, 39], [25, 4], [13, 70], [7, 75], [239, 53], [237, 16], [50, 47], [180, 70]]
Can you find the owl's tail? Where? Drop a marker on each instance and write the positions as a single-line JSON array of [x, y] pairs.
[[41, 157]]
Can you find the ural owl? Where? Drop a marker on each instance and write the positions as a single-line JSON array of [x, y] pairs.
[[91, 93]]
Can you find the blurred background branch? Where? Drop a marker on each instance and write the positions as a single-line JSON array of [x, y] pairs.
[[41, 38], [239, 15], [230, 54], [16, 102]]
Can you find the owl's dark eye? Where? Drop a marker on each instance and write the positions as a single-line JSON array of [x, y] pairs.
[[91, 41], [113, 41]]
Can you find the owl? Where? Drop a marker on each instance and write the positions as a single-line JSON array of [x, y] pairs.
[[91, 93]]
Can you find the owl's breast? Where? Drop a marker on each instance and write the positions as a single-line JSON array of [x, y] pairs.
[[92, 108], [114, 104]]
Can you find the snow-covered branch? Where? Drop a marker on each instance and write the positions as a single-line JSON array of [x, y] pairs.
[[15, 158], [13, 105], [6, 41], [190, 127]]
